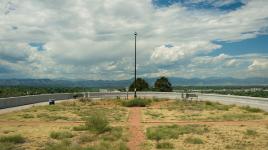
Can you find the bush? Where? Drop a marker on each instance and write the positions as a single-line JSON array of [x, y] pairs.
[[165, 145], [251, 132], [137, 103], [15, 139], [98, 123], [194, 140], [61, 135]]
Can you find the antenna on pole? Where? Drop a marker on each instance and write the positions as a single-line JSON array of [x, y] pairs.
[[135, 90]]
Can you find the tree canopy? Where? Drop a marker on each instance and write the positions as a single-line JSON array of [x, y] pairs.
[[141, 85], [163, 85]]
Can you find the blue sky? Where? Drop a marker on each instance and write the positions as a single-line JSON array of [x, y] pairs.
[[93, 39]]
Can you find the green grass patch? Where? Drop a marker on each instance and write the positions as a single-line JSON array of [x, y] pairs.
[[61, 135], [250, 109], [173, 131], [137, 103], [15, 139], [164, 145], [193, 140]]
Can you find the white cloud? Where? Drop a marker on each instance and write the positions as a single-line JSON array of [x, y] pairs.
[[91, 38], [259, 64]]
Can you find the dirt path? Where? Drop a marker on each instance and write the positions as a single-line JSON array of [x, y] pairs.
[[135, 127]]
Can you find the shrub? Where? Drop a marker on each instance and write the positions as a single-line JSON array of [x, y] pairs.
[[98, 123], [194, 140], [164, 145], [16, 139], [137, 103], [251, 132], [60, 135]]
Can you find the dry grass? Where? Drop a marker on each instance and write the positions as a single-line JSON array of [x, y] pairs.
[[63, 126], [51, 127]]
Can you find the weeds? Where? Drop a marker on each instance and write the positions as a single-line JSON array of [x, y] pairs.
[[194, 140], [85, 138], [173, 131], [7, 146], [137, 103], [165, 145], [63, 145], [26, 116], [48, 117], [15, 139], [236, 117], [250, 109], [251, 132], [98, 123], [199, 106], [60, 135], [114, 134]]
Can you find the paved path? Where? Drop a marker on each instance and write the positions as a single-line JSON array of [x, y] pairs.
[[135, 128]]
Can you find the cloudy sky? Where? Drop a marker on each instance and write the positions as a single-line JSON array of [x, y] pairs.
[[93, 39]]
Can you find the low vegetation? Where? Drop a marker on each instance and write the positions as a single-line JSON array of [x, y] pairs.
[[10, 142], [137, 102], [164, 145], [61, 135], [251, 132], [16, 139], [173, 131], [194, 140]]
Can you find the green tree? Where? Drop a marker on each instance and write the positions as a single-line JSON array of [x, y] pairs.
[[162, 84], [141, 85]]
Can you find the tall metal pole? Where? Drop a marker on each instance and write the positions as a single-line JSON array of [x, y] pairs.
[[135, 90]]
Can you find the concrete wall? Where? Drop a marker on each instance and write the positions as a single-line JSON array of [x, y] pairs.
[[25, 100]]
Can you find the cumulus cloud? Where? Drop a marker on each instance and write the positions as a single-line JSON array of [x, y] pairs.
[[93, 39]]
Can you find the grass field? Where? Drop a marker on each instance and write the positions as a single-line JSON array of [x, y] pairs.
[[104, 125]]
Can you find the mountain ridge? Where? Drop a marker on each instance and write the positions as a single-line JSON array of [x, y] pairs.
[[176, 81]]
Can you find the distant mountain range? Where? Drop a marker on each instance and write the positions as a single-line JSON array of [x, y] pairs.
[[212, 81]]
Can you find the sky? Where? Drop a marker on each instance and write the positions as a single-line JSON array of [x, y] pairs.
[[94, 39]]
